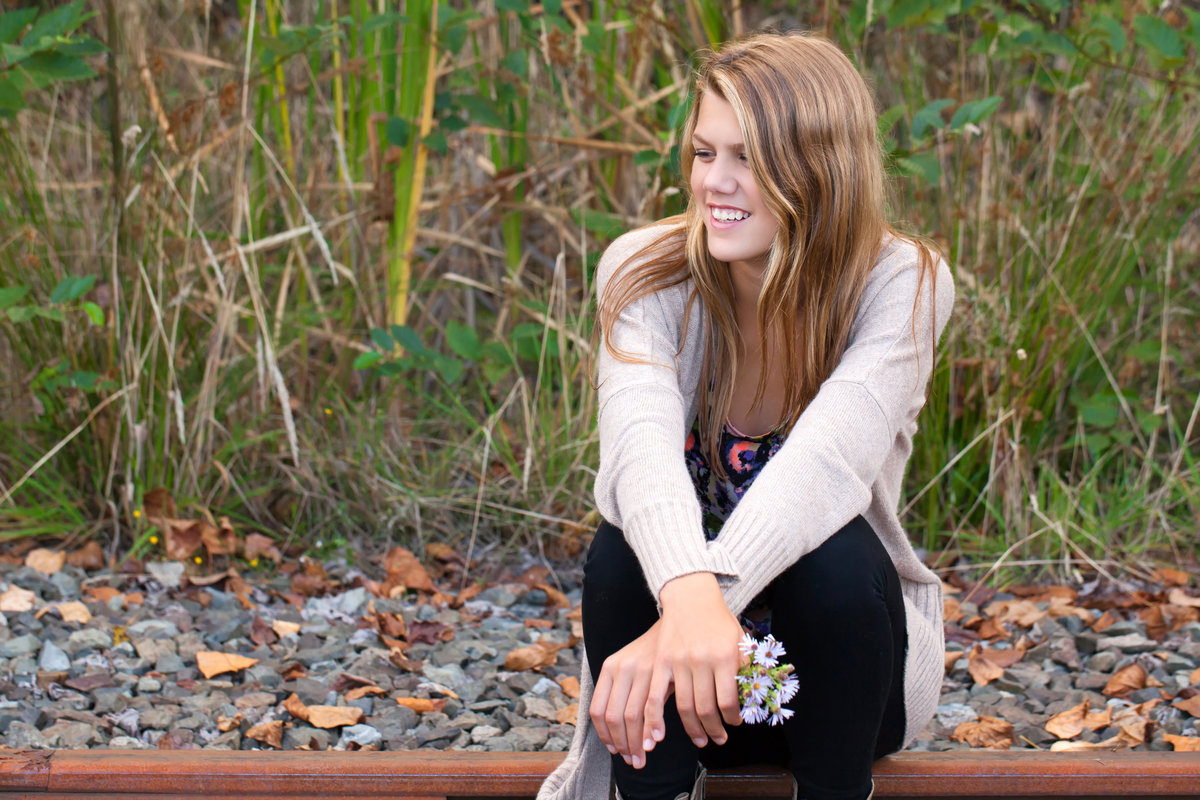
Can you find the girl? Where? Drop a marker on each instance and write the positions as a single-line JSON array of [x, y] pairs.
[[764, 358]]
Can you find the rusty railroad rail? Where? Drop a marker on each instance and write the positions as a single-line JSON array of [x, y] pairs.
[[433, 775]]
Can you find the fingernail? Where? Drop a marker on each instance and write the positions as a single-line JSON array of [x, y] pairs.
[[611, 749], [648, 744], [720, 741], [658, 734], [627, 759], [699, 741], [637, 762]]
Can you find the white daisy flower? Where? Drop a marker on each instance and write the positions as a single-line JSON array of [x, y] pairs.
[[780, 714]]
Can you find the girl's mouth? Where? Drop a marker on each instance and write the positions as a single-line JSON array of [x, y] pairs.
[[725, 217]]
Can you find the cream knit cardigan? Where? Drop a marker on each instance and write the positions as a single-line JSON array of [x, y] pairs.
[[845, 456]]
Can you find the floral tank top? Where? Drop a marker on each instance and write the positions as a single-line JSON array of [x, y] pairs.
[[742, 457]]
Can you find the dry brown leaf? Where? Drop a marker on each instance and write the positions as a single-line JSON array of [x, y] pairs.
[[1064, 607], [1171, 577], [295, 706], [363, 691], [951, 609], [241, 590], [430, 632], [568, 715], [1104, 622], [1191, 705], [570, 686], [46, 561], [261, 633], [101, 593], [334, 716], [219, 539], [158, 505], [404, 569], [16, 599], [90, 557], [134, 599], [211, 662], [991, 732], [556, 598], [1119, 742], [1183, 744], [531, 622], [983, 671], [284, 628], [1073, 721], [422, 705], [1004, 658], [181, 538], [1178, 597], [269, 733], [1195, 676], [1156, 624], [226, 724], [1125, 680], [992, 629], [71, 611], [466, 594], [1019, 612], [535, 656], [259, 545], [952, 657]]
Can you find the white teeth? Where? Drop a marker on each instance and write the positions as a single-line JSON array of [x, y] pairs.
[[728, 216]]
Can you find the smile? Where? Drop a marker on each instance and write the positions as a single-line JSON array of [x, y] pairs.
[[729, 214]]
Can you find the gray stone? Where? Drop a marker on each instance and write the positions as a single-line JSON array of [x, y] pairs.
[[126, 743], [952, 715], [148, 684], [20, 646], [303, 737], [157, 718], [23, 736], [539, 707], [482, 733], [361, 735], [527, 737], [53, 659], [71, 735], [168, 573], [1128, 643], [450, 676], [169, 664], [88, 639], [153, 649], [1104, 661], [230, 740]]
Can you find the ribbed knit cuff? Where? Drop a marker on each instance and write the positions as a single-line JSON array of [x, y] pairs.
[[668, 539], [769, 554]]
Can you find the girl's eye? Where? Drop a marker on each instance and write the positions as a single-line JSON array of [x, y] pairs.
[[703, 154]]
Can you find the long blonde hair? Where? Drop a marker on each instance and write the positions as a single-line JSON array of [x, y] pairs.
[[808, 121]]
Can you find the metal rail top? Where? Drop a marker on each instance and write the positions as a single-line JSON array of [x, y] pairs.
[[435, 775]]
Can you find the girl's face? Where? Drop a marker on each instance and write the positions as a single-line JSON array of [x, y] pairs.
[[739, 226]]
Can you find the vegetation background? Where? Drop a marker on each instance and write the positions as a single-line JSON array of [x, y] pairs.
[[324, 268]]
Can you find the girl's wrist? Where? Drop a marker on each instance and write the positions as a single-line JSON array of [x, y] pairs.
[[688, 589]]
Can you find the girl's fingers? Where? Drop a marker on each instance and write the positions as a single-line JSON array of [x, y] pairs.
[[614, 712], [634, 718], [655, 728], [704, 688], [685, 704], [600, 694], [727, 699]]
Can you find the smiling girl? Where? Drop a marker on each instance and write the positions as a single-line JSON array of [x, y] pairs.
[[764, 359]]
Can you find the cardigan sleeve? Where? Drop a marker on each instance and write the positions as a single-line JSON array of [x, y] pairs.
[[823, 474], [642, 484]]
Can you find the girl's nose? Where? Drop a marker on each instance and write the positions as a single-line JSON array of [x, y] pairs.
[[719, 178]]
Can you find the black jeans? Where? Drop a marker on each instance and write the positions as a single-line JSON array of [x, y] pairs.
[[839, 613]]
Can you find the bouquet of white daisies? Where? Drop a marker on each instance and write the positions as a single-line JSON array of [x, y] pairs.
[[764, 684]]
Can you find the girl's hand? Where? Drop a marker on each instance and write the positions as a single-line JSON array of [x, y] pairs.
[[699, 647], [691, 651]]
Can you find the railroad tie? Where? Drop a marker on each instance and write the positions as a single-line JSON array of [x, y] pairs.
[[438, 775]]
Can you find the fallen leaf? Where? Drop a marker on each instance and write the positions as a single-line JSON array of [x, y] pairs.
[[1020, 612], [570, 686], [293, 671], [983, 671], [284, 628], [1193, 678], [134, 598], [1119, 742], [181, 538], [46, 561], [1125, 680], [402, 661], [158, 504], [1171, 577], [556, 599], [575, 617], [211, 663], [466, 594], [70, 611], [363, 691], [1063, 607], [259, 545], [241, 590], [422, 704], [1191, 705], [403, 569], [219, 539], [1183, 744], [1104, 622], [295, 706], [209, 580], [1003, 658], [90, 557], [1073, 721], [16, 599], [334, 716], [226, 724], [430, 632], [952, 657], [1156, 624], [261, 633], [568, 715], [269, 733], [992, 629], [991, 732], [1178, 597], [952, 610], [102, 593], [532, 622], [535, 656]]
